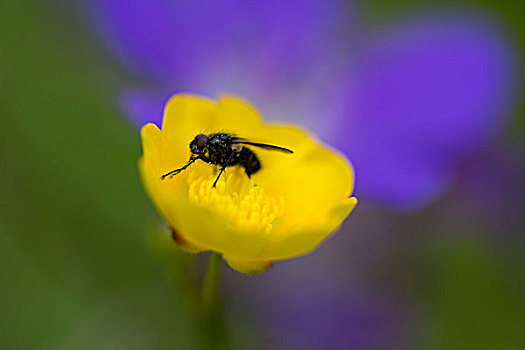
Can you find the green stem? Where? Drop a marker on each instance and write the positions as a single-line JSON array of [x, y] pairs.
[[213, 336], [210, 286]]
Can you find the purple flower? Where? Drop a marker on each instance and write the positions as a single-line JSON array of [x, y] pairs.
[[406, 104], [424, 95]]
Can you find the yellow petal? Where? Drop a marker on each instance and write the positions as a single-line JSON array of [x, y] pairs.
[[314, 177], [203, 228], [183, 242], [152, 143], [303, 239], [237, 116], [248, 266], [185, 116]]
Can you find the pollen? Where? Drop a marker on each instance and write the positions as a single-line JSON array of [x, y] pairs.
[[238, 199]]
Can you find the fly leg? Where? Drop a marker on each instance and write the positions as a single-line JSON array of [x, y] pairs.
[[190, 162], [223, 167]]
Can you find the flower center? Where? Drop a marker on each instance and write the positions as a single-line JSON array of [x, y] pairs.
[[237, 199]]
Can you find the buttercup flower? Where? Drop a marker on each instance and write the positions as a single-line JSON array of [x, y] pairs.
[[284, 210]]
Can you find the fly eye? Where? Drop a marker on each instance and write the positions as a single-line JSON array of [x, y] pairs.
[[202, 141]]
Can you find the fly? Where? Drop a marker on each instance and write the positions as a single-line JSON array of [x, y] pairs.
[[225, 150]]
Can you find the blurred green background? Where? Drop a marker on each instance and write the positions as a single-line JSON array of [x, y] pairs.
[[78, 266], [77, 271]]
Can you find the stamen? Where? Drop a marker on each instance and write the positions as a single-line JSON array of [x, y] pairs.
[[238, 199]]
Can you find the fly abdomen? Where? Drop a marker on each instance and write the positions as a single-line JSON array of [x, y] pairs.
[[249, 161]]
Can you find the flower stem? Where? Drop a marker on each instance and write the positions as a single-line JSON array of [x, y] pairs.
[[210, 286], [213, 336]]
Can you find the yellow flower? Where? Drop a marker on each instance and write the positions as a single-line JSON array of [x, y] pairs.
[[284, 210]]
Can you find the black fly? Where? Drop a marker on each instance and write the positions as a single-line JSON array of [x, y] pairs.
[[225, 150]]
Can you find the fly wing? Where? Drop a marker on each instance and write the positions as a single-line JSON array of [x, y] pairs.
[[261, 145]]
